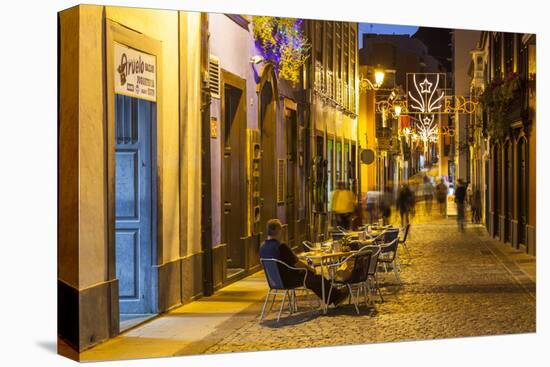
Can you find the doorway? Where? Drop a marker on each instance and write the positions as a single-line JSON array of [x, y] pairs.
[[496, 190], [135, 121], [233, 173], [268, 132], [291, 124]]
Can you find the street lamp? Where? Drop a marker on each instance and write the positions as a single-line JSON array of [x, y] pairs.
[[378, 78], [366, 84], [397, 110]]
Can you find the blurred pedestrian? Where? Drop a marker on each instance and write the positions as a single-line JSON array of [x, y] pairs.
[[385, 206], [370, 205], [476, 207], [441, 191], [460, 200], [343, 203], [404, 203], [428, 195]]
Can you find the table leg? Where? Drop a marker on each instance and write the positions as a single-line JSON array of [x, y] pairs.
[[325, 308]]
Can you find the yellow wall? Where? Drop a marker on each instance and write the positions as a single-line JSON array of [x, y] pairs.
[[163, 26], [366, 131], [191, 128], [92, 239]]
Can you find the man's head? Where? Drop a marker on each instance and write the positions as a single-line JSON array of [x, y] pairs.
[[274, 229]]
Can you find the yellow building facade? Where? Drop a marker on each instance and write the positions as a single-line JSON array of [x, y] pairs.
[[88, 286]]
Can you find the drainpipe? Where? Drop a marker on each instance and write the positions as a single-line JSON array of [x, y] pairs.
[[206, 181]]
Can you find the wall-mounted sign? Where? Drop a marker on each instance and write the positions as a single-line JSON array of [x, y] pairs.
[[135, 73], [367, 156], [213, 127]]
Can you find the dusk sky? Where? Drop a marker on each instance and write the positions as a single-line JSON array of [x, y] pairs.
[[384, 29]]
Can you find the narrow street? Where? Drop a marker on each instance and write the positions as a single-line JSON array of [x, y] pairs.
[[455, 285]]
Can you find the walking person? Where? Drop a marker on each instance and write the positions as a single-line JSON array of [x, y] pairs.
[[441, 191], [476, 207], [385, 206], [460, 200], [370, 205], [404, 202], [429, 195], [343, 203]]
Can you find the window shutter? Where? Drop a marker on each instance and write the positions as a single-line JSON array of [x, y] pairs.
[[214, 76]]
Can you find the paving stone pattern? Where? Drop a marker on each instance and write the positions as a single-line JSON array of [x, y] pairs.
[[455, 286]]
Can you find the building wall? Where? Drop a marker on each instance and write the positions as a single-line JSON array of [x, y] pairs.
[[87, 284], [366, 134], [464, 41]]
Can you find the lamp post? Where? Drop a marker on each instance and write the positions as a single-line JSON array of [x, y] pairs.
[[366, 84]]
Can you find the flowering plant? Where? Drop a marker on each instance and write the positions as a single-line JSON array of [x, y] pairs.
[[283, 43]]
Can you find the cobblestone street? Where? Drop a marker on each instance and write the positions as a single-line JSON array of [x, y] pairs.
[[456, 285]]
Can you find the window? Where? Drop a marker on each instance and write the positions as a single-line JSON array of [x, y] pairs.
[[330, 162], [497, 55], [338, 48], [319, 41], [329, 45], [508, 53]]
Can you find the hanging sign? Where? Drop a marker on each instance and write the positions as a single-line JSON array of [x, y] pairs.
[[135, 73]]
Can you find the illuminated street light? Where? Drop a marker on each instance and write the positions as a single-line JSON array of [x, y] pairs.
[[378, 78], [397, 110]]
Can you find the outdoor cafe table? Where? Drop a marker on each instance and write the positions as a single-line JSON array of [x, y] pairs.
[[323, 260]]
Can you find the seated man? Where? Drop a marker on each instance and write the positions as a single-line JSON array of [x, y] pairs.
[[272, 248]]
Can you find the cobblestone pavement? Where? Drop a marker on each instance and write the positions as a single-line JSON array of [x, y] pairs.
[[456, 285]]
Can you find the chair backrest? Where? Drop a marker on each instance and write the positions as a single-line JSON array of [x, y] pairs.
[[272, 273], [390, 247], [361, 266], [373, 264], [390, 235], [308, 246], [406, 232]]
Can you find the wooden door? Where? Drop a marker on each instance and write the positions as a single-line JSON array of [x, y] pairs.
[[133, 203], [291, 123], [268, 132], [234, 172]]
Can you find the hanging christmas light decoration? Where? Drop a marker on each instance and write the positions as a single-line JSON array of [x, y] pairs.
[[426, 101]]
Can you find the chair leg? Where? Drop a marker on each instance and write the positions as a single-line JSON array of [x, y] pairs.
[[379, 290], [265, 304], [272, 302], [396, 272], [354, 297], [282, 305]]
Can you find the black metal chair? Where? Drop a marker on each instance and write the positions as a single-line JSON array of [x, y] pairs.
[[277, 285], [372, 279], [389, 256], [403, 241], [360, 262]]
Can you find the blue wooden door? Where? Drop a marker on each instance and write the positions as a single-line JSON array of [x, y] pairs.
[[133, 203]]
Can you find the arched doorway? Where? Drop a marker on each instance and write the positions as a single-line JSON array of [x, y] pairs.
[[508, 193], [267, 123], [496, 189], [522, 189]]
